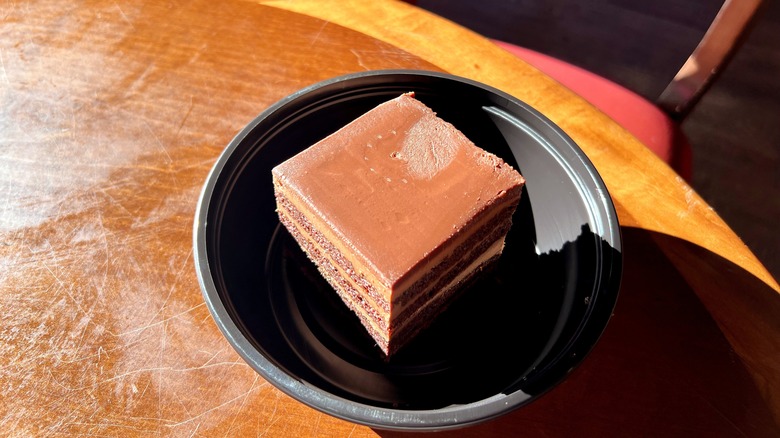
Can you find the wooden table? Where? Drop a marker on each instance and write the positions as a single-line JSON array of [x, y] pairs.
[[111, 116]]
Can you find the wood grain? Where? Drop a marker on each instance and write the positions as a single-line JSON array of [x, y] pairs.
[[111, 117]]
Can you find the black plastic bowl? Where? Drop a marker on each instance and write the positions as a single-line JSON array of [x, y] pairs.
[[514, 334]]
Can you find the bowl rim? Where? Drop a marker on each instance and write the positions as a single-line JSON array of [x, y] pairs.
[[449, 417]]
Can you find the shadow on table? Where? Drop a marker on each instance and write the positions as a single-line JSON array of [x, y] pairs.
[[663, 367]]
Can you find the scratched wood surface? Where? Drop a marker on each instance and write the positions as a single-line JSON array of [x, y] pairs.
[[111, 116]]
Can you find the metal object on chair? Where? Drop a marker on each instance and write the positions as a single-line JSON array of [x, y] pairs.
[[708, 59]]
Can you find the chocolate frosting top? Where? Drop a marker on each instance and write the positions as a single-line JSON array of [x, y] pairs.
[[396, 183]]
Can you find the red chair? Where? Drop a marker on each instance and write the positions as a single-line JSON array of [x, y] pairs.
[[644, 119], [656, 124]]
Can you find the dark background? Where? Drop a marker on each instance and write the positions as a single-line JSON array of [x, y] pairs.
[[735, 128]]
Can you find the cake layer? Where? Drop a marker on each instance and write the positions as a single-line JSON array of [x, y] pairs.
[[488, 239], [444, 256], [379, 297], [417, 320], [371, 310], [429, 266], [424, 315], [501, 208], [371, 320], [328, 262], [493, 227]]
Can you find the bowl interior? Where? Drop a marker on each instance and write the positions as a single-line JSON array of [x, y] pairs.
[[513, 334]]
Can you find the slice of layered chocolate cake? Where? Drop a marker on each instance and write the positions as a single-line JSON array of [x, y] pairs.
[[397, 210]]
